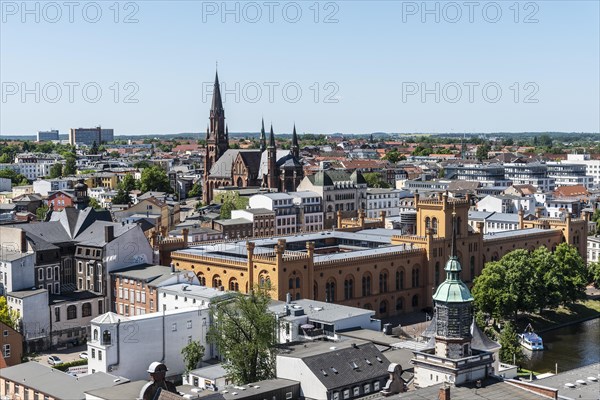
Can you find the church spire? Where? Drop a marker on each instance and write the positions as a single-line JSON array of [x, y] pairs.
[[295, 146], [217, 103], [263, 137], [271, 138]]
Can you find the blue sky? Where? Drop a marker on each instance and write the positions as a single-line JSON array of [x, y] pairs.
[[360, 66]]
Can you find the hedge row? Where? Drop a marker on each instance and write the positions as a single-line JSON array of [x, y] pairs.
[[65, 366]]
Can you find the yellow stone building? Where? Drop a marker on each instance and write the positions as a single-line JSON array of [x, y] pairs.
[[370, 268]]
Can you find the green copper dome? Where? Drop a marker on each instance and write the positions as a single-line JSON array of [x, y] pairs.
[[453, 290]]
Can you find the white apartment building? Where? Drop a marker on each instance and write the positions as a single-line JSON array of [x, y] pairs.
[[309, 208], [592, 166], [44, 186], [494, 221], [593, 249], [17, 269], [506, 204], [127, 345], [283, 206], [383, 200]]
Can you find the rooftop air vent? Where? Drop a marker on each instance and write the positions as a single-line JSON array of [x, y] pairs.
[[570, 385], [353, 364], [368, 362]]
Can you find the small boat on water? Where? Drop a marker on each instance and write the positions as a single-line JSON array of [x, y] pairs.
[[531, 340]]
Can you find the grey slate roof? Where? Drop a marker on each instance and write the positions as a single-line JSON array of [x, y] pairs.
[[56, 383], [94, 235], [342, 360], [222, 168]]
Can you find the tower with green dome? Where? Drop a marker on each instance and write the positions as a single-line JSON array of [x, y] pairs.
[[457, 351], [454, 309]]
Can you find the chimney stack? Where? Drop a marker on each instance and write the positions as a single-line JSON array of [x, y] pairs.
[[109, 233], [444, 393], [172, 265], [288, 298], [23, 241]]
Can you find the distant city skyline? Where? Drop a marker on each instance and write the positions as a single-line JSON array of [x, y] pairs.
[[348, 67]]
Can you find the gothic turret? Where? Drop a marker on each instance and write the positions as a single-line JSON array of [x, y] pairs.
[[263, 137], [272, 160], [295, 145]]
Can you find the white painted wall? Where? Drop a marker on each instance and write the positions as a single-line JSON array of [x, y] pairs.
[[17, 274], [294, 368], [141, 339], [34, 315]]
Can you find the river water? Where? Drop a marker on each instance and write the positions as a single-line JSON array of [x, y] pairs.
[[571, 347]]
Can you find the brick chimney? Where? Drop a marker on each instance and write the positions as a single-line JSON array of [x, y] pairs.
[[109, 233], [444, 393]]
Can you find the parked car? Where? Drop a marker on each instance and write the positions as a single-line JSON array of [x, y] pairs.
[[83, 355], [54, 360]]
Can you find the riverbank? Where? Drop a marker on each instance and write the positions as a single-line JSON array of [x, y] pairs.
[[563, 316]]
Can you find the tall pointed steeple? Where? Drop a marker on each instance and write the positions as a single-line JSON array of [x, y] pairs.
[[271, 138], [217, 120], [295, 145], [227, 133], [217, 142], [272, 161], [217, 102], [263, 137]]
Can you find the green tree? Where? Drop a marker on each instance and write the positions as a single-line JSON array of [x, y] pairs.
[[594, 269], [375, 180], [94, 204], [56, 171], [192, 354], [244, 334], [507, 286], [392, 156], [114, 154], [8, 316], [154, 179], [70, 165], [196, 189], [6, 158], [226, 208], [128, 183], [41, 212], [511, 350], [122, 197], [570, 273], [482, 152]]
